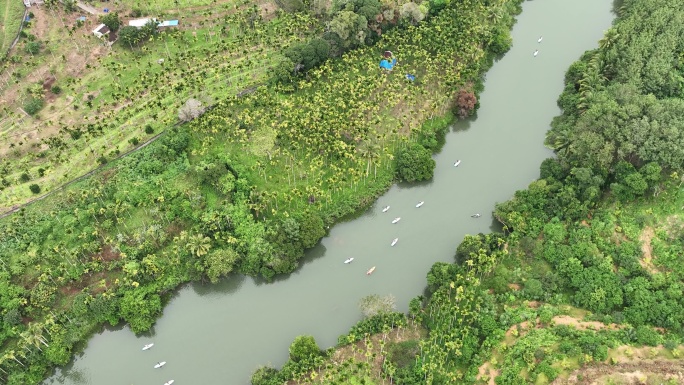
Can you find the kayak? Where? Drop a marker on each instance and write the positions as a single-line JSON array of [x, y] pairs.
[[349, 260], [394, 242], [384, 210], [370, 271], [147, 346], [457, 163], [420, 204], [169, 382], [159, 364], [397, 219]]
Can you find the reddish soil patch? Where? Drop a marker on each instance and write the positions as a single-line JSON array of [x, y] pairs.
[[514, 286], [107, 254], [487, 370], [582, 325]]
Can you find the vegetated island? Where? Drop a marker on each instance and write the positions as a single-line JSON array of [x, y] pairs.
[[250, 180], [584, 285]]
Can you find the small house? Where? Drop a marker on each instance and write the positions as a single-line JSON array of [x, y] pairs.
[[101, 31]]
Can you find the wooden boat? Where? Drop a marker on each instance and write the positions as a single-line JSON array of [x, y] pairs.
[[397, 219], [384, 210], [159, 364], [420, 204], [349, 260], [457, 163], [169, 382], [370, 271], [147, 346], [394, 242]]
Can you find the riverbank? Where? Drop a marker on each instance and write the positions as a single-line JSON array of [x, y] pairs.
[[586, 280], [116, 245]]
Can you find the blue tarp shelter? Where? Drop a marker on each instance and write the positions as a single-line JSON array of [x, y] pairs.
[[410, 77], [386, 64]]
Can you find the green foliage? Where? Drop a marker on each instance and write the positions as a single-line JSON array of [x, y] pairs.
[[34, 188], [33, 105], [351, 28], [501, 41], [33, 47], [372, 325], [111, 20], [304, 348], [415, 163], [311, 229], [265, 375], [308, 55], [220, 262], [140, 308], [129, 35]]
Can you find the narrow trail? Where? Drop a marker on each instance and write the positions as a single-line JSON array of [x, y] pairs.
[[90, 9]]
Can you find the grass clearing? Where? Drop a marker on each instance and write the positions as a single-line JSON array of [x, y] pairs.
[[110, 95], [11, 14]]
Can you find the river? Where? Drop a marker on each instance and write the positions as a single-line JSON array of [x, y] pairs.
[[219, 334]]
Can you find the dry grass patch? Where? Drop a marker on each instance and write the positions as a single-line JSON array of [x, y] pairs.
[[371, 350], [645, 238], [633, 372]]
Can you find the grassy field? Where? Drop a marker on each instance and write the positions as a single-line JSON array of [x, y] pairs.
[[11, 12], [109, 96]]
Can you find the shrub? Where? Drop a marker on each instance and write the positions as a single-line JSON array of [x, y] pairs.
[[265, 375], [33, 47], [303, 348], [403, 354], [24, 177], [33, 105], [56, 89], [102, 160], [149, 129], [465, 103], [12, 317], [34, 188], [415, 163], [134, 141]]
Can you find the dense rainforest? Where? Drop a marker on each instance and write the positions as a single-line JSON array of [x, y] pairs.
[[586, 278], [246, 185]]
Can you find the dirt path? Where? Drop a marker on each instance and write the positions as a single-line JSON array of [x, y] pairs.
[[629, 370], [646, 260], [90, 9]]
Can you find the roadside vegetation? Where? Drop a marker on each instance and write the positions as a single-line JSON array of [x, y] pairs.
[[249, 182], [585, 283]]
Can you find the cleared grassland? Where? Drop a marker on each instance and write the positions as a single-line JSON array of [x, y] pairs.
[[11, 13], [114, 98]]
